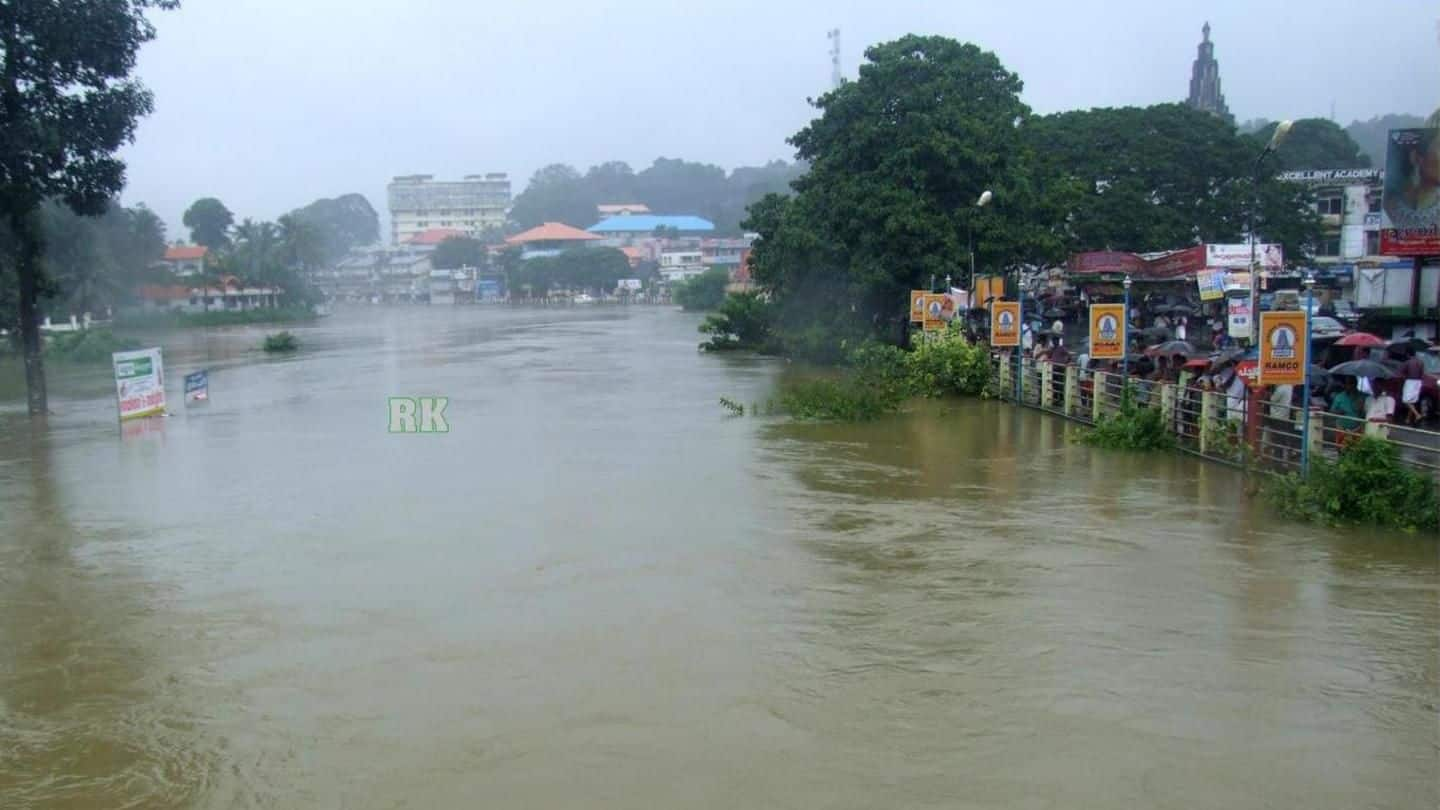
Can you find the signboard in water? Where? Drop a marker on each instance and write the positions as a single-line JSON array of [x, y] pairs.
[[139, 383], [1107, 331], [197, 386]]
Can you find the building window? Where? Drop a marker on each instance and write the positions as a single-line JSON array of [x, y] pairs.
[[1330, 205], [1373, 201], [1372, 243], [1328, 246]]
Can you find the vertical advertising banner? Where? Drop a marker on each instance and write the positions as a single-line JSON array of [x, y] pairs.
[[1239, 321], [1283, 348], [139, 383], [1005, 323], [934, 312], [1410, 211], [1107, 331], [917, 306]]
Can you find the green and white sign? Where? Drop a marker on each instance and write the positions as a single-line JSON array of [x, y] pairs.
[[139, 383]]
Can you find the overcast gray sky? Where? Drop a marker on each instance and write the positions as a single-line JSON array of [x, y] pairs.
[[269, 104]]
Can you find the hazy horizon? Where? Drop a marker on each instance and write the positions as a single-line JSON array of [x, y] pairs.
[[269, 106]]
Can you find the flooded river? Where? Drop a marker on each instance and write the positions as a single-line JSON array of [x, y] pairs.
[[598, 590]]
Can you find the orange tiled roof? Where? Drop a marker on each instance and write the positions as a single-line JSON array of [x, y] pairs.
[[552, 232], [181, 253]]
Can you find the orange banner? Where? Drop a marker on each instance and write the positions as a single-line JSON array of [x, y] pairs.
[[1107, 331], [1284, 348], [1005, 323], [917, 306], [934, 312]]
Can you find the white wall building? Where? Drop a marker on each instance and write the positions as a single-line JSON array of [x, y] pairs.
[[472, 205], [679, 265]]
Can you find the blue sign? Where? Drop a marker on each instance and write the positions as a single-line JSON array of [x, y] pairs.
[[197, 386]]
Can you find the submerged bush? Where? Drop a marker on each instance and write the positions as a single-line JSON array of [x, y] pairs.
[[1367, 484], [742, 322], [86, 346], [844, 398], [1133, 428], [281, 342], [949, 365]]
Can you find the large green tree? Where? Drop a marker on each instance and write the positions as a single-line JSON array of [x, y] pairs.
[[340, 224], [68, 104], [209, 222], [96, 262], [1314, 143], [457, 252], [1373, 135], [555, 193], [1163, 177]]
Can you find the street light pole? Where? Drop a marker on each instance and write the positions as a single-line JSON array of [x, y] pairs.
[[1305, 393], [980, 203], [1125, 344], [1281, 130]]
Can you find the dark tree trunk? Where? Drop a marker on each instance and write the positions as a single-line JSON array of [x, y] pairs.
[[27, 268]]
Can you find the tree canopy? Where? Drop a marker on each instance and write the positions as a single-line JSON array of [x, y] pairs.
[[703, 292], [209, 222], [69, 103], [560, 193], [1373, 135], [457, 252], [588, 269], [340, 224], [1314, 143]]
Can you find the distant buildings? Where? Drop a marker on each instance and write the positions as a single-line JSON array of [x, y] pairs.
[[1348, 202], [607, 210], [185, 260], [679, 265], [230, 295], [1205, 80], [471, 206], [633, 226]]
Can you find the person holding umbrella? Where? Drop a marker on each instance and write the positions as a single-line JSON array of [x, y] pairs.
[[1413, 373]]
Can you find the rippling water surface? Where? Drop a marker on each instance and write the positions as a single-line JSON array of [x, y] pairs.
[[598, 590]]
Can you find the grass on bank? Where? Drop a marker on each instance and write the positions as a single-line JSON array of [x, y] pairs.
[[173, 318], [86, 346]]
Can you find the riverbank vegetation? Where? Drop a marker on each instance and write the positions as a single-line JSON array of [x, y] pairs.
[[233, 317], [1133, 427], [1368, 484], [86, 346], [703, 292]]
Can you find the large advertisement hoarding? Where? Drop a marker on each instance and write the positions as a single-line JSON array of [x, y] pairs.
[[1237, 257], [139, 383], [1410, 215]]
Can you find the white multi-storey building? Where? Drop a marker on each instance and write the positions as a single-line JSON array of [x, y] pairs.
[[472, 205]]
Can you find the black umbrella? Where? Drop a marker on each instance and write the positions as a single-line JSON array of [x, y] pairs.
[[1362, 368], [1178, 309], [1054, 313], [1171, 347]]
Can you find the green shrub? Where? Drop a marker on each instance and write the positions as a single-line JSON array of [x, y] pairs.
[[743, 322], [1133, 428], [844, 398], [948, 364], [281, 342], [86, 346], [1367, 484], [703, 292]]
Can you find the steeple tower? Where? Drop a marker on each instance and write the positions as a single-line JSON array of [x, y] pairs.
[[1205, 79]]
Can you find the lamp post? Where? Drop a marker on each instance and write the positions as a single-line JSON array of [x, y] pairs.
[[980, 203], [1125, 343], [1305, 393], [1281, 130]]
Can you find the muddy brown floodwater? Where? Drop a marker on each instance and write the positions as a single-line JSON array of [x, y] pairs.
[[598, 590]]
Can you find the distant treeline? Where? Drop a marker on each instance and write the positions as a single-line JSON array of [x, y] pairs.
[[560, 193]]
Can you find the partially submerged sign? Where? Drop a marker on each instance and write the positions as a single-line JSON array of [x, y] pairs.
[[1005, 323], [1107, 331], [197, 386], [139, 383], [1283, 348]]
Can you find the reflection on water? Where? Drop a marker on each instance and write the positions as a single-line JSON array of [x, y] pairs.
[[599, 590]]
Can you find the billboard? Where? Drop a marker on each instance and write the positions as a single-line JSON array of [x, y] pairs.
[[1239, 317], [917, 306], [1107, 331], [139, 383], [1237, 257], [1176, 264], [1005, 323], [1283, 348], [935, 312], [1410, 213], [1211, 284]]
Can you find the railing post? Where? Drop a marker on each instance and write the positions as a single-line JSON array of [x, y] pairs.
[[1006, 387], [1317, 435], [1167, 405], [1098, 385], [1072, 390], [1207, 416], [1377, 430], [1047, 384]]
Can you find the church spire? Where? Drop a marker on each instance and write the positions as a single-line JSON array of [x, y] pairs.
[[1205, 79]]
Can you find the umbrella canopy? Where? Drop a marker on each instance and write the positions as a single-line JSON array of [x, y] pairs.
[[1170, 347], [1178, 309], [1415, 343], [1054, 313], [1361, 339], [1198, 362], [1362, 368]]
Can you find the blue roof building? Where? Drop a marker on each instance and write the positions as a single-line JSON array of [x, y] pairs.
[[647, 223]]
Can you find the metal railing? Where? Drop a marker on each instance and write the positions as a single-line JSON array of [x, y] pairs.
[[1249, 430]]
